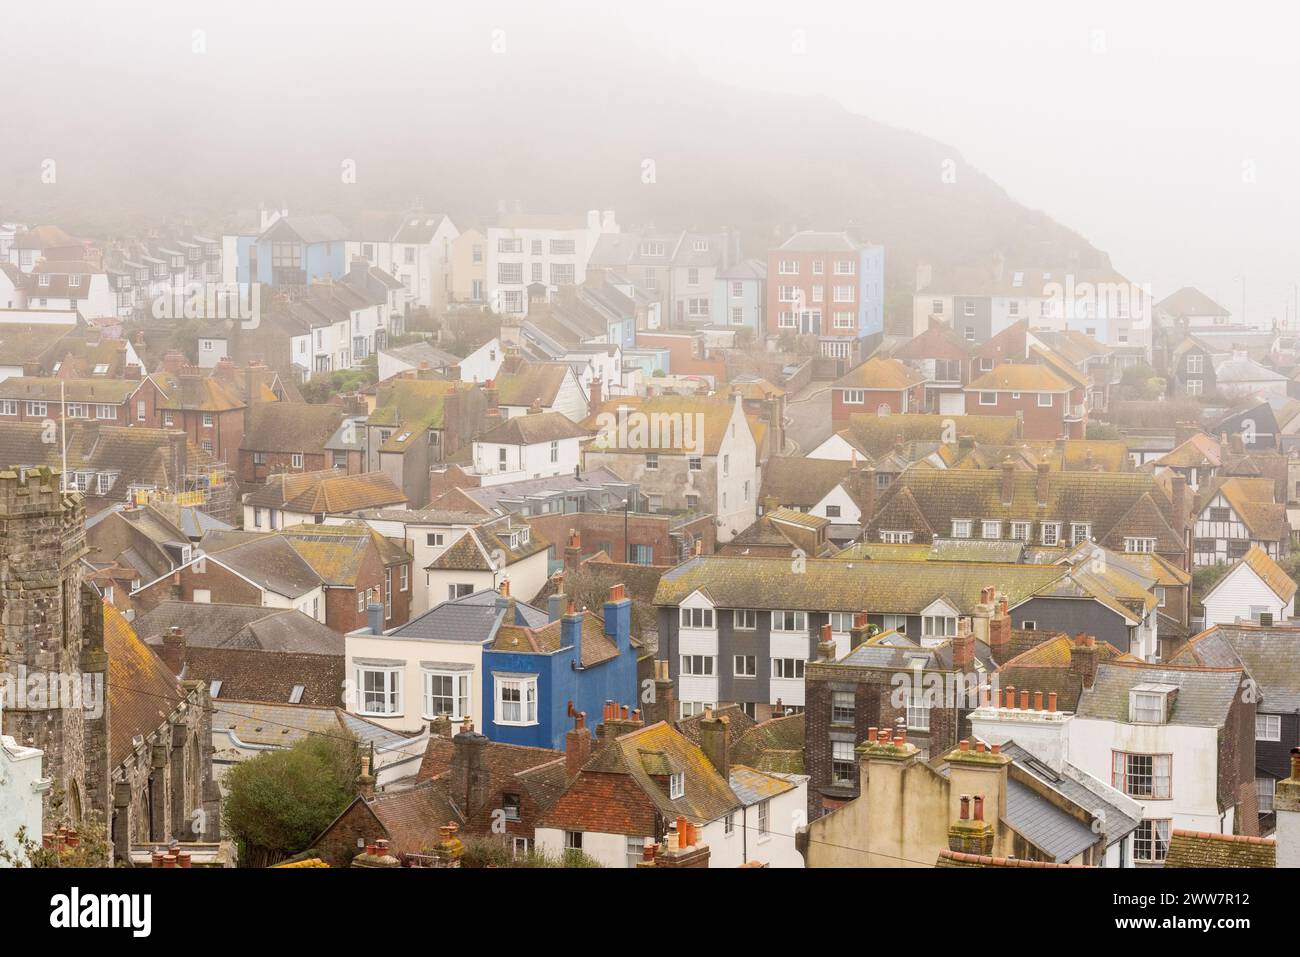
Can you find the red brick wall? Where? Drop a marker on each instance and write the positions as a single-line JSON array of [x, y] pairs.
[[277, 462], [875, 398], [805, 280], [1041, 422], [597, 529], [681, 355]]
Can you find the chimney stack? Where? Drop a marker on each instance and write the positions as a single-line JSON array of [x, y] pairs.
[[1041, 484], [715, 742], [1008, 481], [618, 618], [1083, 659], [577, 746], [1000, 631], [375, 618], [470, 782], [963, 648], [173, 653], [826, 647]]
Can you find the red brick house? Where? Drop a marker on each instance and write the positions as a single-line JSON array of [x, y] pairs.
[[287, 437], [878, 386], [1049, 406]]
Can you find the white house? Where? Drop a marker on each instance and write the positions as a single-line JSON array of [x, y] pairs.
[[543, 252], [484, 557], [483, 363], [22, 789], [528, 447], [1154, 733], [430, 667], [1255, 589]]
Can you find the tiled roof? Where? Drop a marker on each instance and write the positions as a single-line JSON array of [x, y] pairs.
[[1252, 500], [142, 692], [877, 434], [949, 858], [413, 404], [878, 373], [1190, 301], [831, 584], [271, 676], [540, 381], [775, 745], [695, 424], [1270, 573], [753, 787], [531, 429], [1205, 696], [197, 393], [330, 491], [481, 549], [597, 647], [39, 389], [937, 342], [637, 758], [290, 427], [1116, 504], [799, 481], [1019, 377], [1199, 450], [1206, 849]]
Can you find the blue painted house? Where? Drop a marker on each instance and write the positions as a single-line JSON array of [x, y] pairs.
[[530, 675], [298, 250]]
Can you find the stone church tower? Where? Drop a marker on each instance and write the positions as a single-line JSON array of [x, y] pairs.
[[53, 667]]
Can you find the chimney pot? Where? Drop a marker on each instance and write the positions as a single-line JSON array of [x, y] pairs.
[[997, 749], [979, 807], [964, 744], [1038, 701], [979, 747], [1024, 701], [965, 807], [1051, 701]]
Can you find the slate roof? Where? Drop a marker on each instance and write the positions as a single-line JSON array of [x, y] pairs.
[[480, 547], [1206, 849], [1118, 815], [241, 627], [753, 787], [472, 618], [1205, 696], [270, 561], [1268, 655], [1046, 826], [1045, 667]]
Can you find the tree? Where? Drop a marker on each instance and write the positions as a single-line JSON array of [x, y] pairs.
[[1104, 430], [279, 801], [493, 852], [83, 846]]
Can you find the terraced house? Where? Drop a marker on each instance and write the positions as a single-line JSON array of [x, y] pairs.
[[742, 629], [1127, 512]]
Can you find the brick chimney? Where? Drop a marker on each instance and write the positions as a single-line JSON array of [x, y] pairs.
[[1083, 659], [826, 646], [577, 746], [682, 847], [1008, 481], [1000, 631], [664, 706], [1041, 484], [173, 362], [970, 833], [572, 552], [1178, 497], [617, 720], [861, 630], [173, 650], [1042, 728], [963, 647], [715, 742], [595, 396], [470, 784]]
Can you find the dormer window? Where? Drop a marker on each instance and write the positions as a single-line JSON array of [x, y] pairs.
[[676, 785], [1150, 703]]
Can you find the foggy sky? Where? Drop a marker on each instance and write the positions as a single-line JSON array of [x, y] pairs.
[[1139, 126]]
